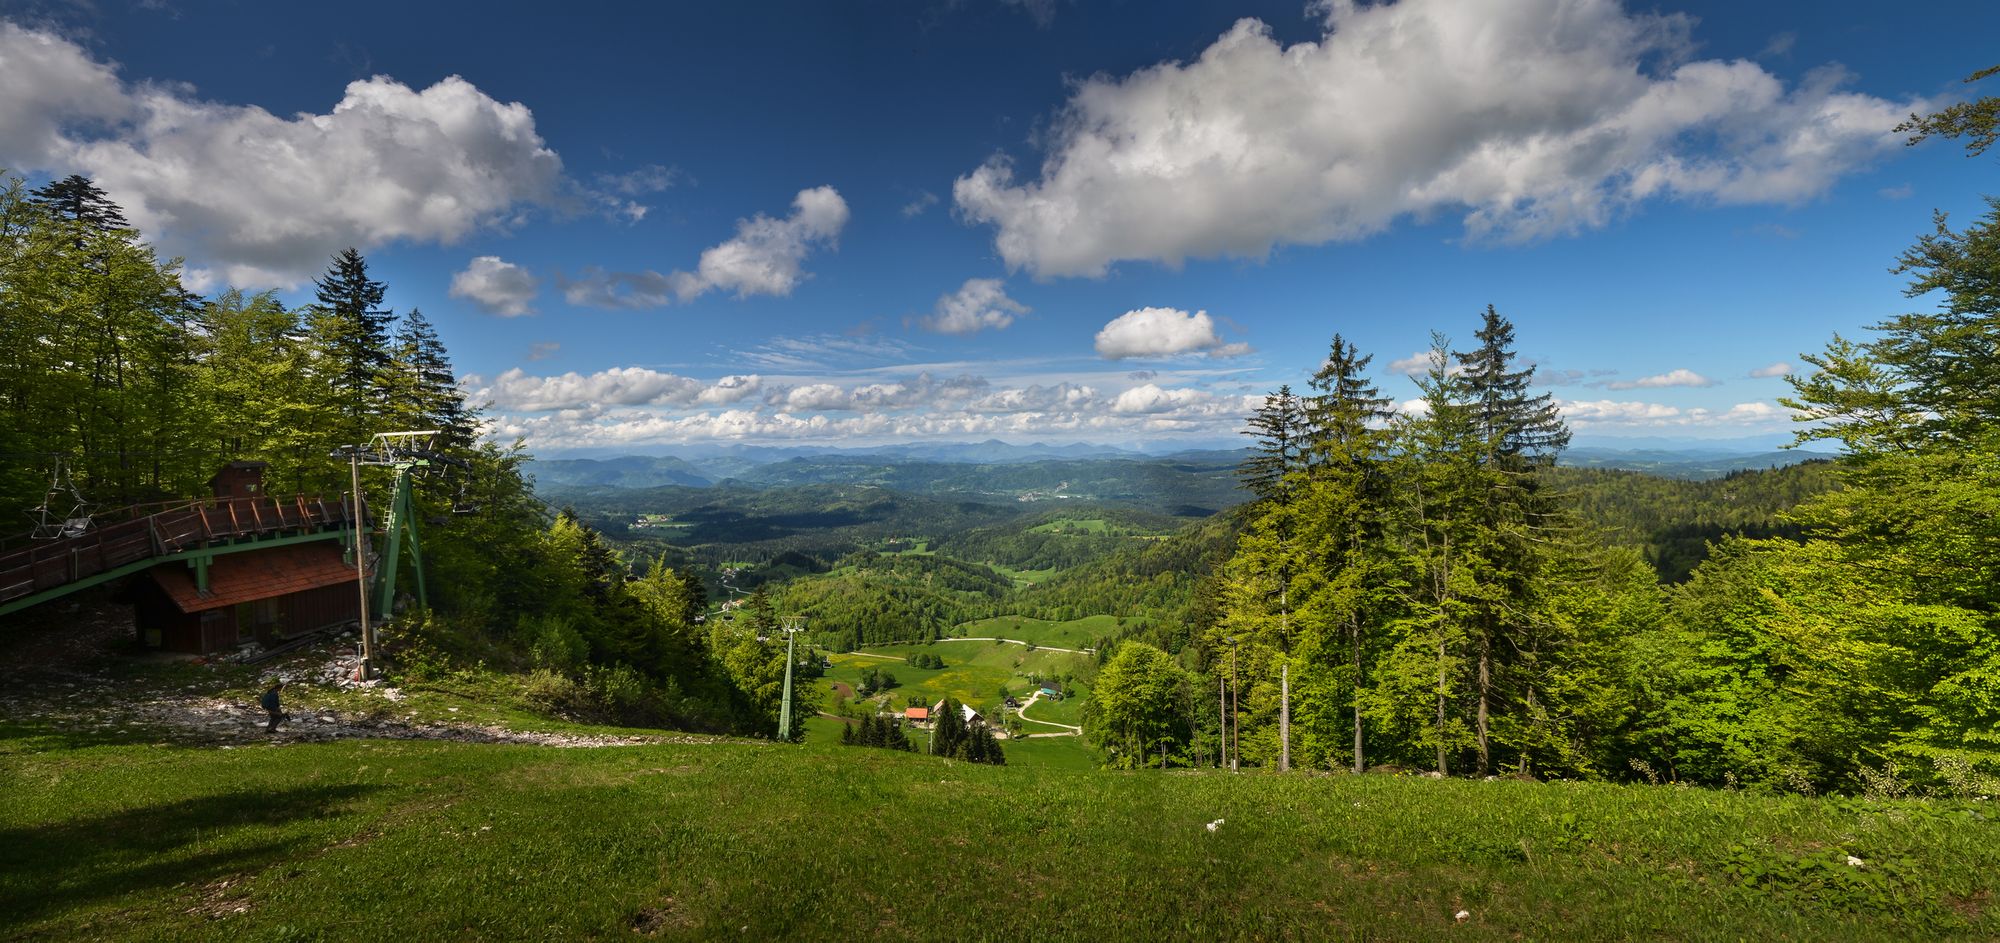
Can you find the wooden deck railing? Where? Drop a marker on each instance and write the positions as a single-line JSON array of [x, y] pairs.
[[47, 564]]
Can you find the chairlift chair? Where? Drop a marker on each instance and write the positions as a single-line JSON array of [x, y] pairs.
[[62, 490]]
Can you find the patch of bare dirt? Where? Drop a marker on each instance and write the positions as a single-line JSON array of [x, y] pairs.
[[76, 670], [659, 918], [231, 722], [224, 898]]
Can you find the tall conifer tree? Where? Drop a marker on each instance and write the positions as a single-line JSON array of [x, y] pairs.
[[1344, 450], [351, 331], [1518, 433], [1439, 535], [426, 393]]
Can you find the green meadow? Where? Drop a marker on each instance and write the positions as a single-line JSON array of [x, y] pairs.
[[974, 672], [371, 840], [1076, 633]]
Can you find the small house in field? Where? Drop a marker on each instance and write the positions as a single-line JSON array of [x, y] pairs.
[[917, 715], [965, 711], [1052, 689], [1013, 703]]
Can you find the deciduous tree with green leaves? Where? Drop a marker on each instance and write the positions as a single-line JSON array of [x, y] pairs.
[[1140, 711]]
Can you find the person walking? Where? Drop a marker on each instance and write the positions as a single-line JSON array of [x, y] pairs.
[[271, 706]]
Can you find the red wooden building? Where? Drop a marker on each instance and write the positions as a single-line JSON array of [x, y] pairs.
[[264, 593]]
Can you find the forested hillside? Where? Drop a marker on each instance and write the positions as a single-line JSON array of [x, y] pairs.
[[715, 527], [872, 598], [1059, 540], [1673, 521]]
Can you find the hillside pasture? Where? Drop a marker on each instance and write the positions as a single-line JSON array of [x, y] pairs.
[[1068, 710], [973, 672], [369, 840], [1076, 633]]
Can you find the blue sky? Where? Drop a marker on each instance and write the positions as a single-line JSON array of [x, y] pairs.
[[1043, 220]]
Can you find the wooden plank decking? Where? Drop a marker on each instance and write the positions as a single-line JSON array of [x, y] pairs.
[[50, 564]]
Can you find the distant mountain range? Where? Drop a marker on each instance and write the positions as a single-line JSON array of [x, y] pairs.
[[926, 466], [1186, 484], [1693, 464]]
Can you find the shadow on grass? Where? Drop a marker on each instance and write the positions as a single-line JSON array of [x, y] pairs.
[[50, 868], [43, 737]]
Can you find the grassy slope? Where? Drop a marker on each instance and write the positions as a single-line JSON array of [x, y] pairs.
[[1077, 633], [380, 840]]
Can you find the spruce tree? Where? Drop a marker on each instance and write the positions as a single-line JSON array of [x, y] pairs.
[[949, 733], [1345, 451], [1275, 429], [1438, 536], [425, 390], [1518, 434], [1257, 587], [1515, 426], [78, 199], [351, 332]]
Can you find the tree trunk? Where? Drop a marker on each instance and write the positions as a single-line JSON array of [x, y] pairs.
[[1235, 719], [1222, 717], [1359, 764], [1441, 762], [1485, 692], [1285, 718], [1526, 762]]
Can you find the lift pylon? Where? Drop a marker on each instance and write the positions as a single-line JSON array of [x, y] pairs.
[[406, 454]]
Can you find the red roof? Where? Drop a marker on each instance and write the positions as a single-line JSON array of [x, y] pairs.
[[250, 575], [917, 713]]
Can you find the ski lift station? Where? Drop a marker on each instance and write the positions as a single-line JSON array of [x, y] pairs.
[[206, 575]]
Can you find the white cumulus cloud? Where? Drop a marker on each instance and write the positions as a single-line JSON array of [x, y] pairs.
[[596, 288], [255, 199], [767, 255], [496, 286], [916, 207], [1616, 411], [730, 389], [1151, 398], [815, 397], [1587, 413], [516, 389], [1679, 377], [1163, 332], [1419, 363], [978, 304], [1533, 118], [1779, 369], [54, 87], [1036, 397], [922, 390], [650, 409]]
